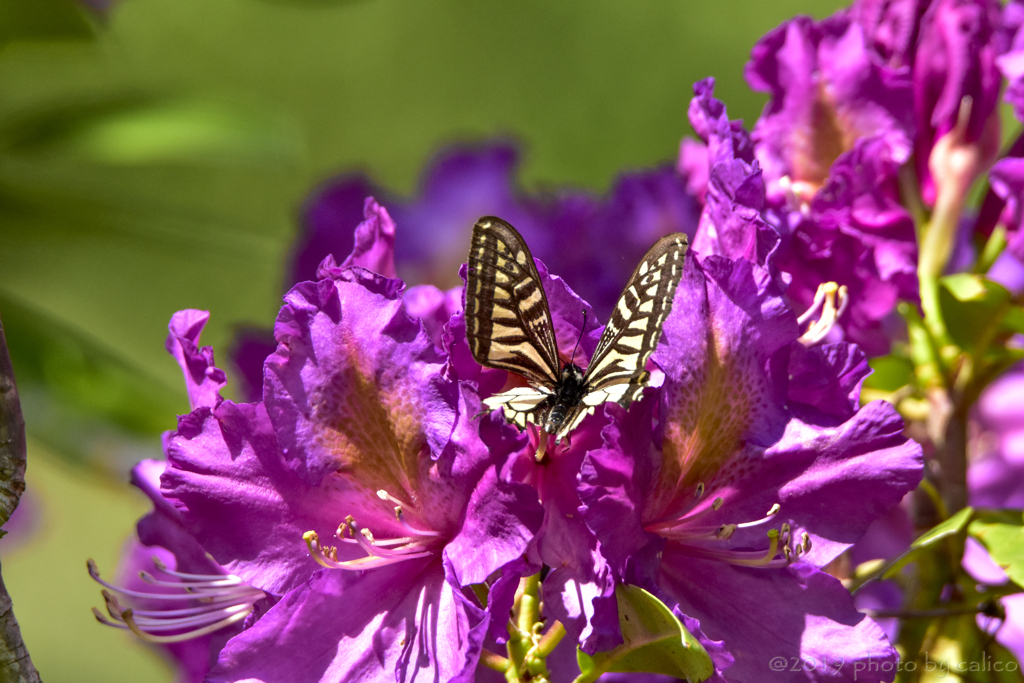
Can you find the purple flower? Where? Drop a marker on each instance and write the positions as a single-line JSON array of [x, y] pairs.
[[1011, 58], [857, 234], [826, 93], [996, 476], [853, 231], [458, 187], [891, 27], [361, 430], [1007, 181], [955, 77], [762, 471], [182, 602]]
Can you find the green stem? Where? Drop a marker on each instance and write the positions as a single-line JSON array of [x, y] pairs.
[[993, 248]]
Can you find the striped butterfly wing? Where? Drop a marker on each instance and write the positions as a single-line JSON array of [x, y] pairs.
[[508, 323], [616, 371]]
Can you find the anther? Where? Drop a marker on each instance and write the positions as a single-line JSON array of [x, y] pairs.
[[699, 493], [825, 301]]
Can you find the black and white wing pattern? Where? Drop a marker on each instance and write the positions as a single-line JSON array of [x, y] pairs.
[[509, 327], [617, 370], [507, 318]]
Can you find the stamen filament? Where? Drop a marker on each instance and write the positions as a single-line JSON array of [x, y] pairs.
[[771, 513], [825, 299], [130, 620]]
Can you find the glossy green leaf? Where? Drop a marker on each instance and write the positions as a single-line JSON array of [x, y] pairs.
[[654, 641], [1002, 534], [936, 534]]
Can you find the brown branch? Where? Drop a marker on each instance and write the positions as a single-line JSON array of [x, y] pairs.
[[15, 663]]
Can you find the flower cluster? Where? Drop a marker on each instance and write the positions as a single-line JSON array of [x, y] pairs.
[[362, 517]]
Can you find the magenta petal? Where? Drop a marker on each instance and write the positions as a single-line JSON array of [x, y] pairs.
[[203, 378], [493, 533], [375, 241], [831, 482], [355, 378], [405, 622], [614, 482], [796, 616], [826, 379], [237, 496]]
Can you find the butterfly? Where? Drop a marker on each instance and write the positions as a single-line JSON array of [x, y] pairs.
[[508, 325]]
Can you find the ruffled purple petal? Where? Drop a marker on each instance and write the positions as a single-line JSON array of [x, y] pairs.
[[826, 92], [434, 308], [405, 622], [794, 615], [826, 379], [355, 383], [501, 517], [374, 241], [615, 479], [956, 59], [580, 590], [830, 482], [891, 27], [203, 378], [329, 217], [1007, 179], [237, 496]]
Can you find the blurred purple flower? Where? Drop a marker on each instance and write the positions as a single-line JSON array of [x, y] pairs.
[[459, 186], [1007, 182], [996, 476], [1011, 58], [183, 602]]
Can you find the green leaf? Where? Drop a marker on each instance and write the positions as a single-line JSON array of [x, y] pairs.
[[965, 286], [972, 308], [1014, 320], [1002, 534], [85, 402], [890, 373], [654, 641], [133, 131], [43, 20], [950, 527]]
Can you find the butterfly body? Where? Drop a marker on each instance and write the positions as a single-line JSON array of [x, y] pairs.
[[567, 397], [509, 327]]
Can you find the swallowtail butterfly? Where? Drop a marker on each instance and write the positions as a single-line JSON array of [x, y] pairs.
[[509, 327]]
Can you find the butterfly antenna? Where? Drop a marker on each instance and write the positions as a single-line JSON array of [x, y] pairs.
[[571, 359]]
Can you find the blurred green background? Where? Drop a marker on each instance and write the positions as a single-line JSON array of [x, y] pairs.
[[154, 156]]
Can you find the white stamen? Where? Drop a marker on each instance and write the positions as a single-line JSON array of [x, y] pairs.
[[218, 601], [825, 300]]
